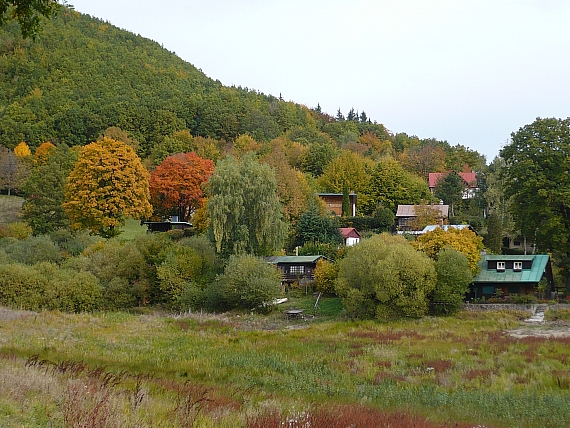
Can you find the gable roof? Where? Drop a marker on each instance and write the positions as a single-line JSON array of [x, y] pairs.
[[539, 263], [469, 177], [410, 211], [349, 232]]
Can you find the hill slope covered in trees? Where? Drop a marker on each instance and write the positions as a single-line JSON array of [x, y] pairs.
[[83, 75]]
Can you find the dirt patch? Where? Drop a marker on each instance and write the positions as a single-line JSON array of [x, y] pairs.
[[554, 329], [10, 314]]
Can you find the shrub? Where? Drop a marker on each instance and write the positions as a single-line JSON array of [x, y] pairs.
[[248, 282], [22, 287], [207, 253], [114, 258], [18, 230], [73, 243], [34, 249], [181, 266], [325, 277], [46, 286], [522, 299], [453, 279], [69, 290], [386, 278], [119, 293]]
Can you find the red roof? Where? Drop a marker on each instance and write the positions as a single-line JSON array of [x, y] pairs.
[[349, 232], [469, 177]]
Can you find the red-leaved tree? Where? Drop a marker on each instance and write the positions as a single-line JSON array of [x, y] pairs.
[[177, 184]]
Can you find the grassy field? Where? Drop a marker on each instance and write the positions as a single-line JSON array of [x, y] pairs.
[[132, 229], [243, 370], [10, 208]]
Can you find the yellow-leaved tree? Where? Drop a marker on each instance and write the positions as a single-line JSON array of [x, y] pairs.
[[42, 153], [22, 150], [462, 240], [107, 185]]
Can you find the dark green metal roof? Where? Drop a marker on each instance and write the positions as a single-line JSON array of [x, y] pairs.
[[539, 262], [296, 259]]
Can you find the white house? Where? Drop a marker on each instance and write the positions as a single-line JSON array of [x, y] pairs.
[[350, 236]]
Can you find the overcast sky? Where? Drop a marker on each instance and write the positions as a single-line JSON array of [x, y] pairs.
[[466, 71]]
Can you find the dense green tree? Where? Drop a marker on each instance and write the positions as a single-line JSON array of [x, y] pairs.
[[245, 213], [391, 186], [28, 13], [46, 286], [383, 218], [384, 277], [450, 190], [348, 171], [313, 226], [453, 278], [537, 165], [317, 157], [459, 156], [495, 198], [44, 191], [494, 240]]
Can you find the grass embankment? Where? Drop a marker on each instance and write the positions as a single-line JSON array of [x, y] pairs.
[[10, 207], [252, 371]]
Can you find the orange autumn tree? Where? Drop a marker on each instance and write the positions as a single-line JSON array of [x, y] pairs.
[[42, 153], [177, 184], [107, 185]]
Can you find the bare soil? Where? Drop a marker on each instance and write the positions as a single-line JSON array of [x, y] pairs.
[[553, 329]]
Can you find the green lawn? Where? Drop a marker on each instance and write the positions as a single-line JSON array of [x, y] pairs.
[[132, 229]]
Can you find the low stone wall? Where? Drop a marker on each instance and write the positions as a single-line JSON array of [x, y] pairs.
[[530, 308]]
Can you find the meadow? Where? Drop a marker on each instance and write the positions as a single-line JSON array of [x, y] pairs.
[[10, 207], [148, 369]]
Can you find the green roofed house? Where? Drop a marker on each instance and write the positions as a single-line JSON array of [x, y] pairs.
[[296, 268], [511, 274]]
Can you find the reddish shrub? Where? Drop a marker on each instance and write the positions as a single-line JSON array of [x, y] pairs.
[[386, 364], [438, 366], [342, 416]]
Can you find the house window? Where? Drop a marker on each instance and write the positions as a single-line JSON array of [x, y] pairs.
[[517, 266], [500, 266], [297, 270], [514, 290], [488, 289]]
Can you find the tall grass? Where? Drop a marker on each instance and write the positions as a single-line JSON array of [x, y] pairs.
[[201, 370]]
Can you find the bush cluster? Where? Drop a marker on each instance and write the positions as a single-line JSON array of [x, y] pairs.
[[78, 272]]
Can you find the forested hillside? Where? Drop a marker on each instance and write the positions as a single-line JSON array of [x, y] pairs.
[[83, 75]]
